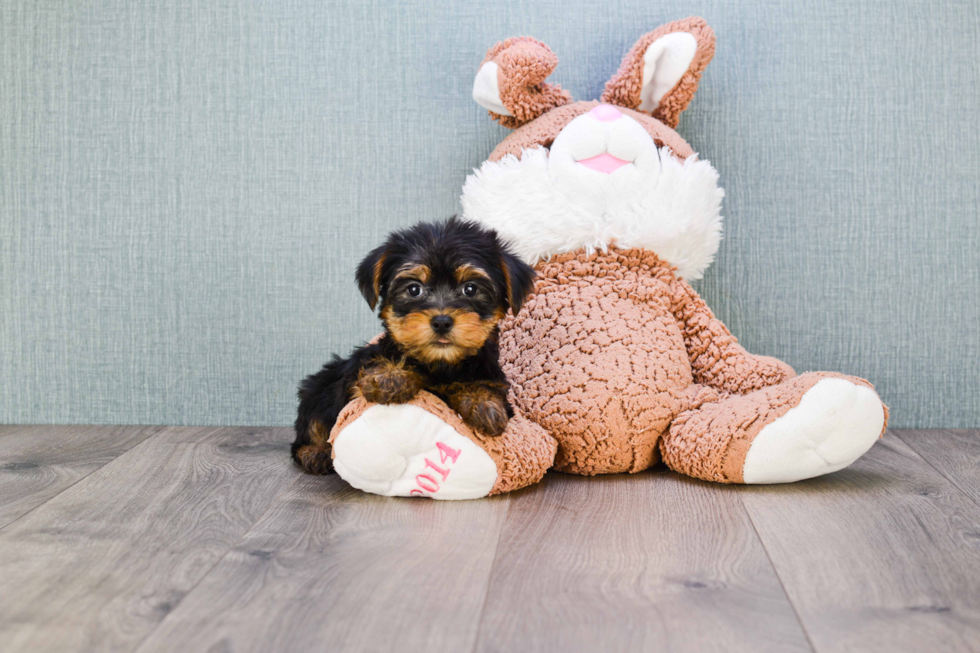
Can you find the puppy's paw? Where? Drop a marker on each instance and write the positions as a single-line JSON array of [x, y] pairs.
[[388, 382], [482, 409], [315, 460], [487, 417]]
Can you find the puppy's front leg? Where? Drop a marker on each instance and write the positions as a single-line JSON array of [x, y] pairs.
[[385, 381], [481, 404]]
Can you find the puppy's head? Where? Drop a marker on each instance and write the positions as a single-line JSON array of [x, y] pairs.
[[443, 287]]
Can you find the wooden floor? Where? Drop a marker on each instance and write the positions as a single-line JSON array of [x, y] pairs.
[[208, 539]]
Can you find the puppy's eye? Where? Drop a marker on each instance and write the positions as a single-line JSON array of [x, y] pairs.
[[414, 289], [469, 289]]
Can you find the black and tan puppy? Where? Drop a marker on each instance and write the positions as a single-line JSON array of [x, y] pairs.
[[443, 289]]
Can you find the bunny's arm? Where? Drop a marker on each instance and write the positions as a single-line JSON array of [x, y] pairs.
[[717, 360]]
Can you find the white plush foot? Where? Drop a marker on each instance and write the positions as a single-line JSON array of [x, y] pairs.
[[404, 450], [835, 422]]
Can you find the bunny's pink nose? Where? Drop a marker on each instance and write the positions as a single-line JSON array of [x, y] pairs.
[[606, 113]]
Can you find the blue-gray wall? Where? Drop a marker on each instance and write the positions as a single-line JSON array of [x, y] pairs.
[[185, 186]]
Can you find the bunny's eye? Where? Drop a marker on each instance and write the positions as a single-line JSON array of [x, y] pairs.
[[414, 289], [469, 289]]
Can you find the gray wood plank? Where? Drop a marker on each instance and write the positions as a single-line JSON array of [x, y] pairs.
[[954, 453], [882, 556], [100, 565], [330, 568], [649, 562], [38, 462]]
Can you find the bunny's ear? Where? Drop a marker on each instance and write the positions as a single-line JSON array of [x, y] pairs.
[[660, 74], [510, 82]]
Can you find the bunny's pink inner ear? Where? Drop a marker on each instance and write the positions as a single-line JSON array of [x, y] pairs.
[[510, 83], [660, 74]]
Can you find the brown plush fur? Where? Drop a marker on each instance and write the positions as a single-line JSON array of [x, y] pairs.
[[622, 362], [624, 87], [541, 110], [523, 64], [712, 440], [543, 131]]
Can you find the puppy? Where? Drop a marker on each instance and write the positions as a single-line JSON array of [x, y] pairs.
[[443, 289]]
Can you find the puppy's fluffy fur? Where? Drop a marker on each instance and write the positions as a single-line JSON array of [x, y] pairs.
[[442, 288]]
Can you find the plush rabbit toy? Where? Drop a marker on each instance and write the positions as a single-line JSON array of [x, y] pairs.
[[615, 362]]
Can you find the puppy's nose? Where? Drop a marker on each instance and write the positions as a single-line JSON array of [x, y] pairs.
[[441, 324], [606, 113]]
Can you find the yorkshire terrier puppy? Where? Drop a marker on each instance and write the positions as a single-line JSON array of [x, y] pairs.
[[443, 289]]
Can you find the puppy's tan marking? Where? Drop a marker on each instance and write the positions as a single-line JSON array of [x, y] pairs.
[[508, 283], [319, 434], [467, 272], [413, 332], [471, 332], [410, 331], [378, 269], [412, 271]]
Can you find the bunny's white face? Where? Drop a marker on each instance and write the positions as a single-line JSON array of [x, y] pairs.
[[604, 182], [586, 175], [599, 160]]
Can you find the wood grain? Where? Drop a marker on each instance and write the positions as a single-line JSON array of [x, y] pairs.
[[208, 539], [882, 556], [99, 566], [653, 561], [38, 462], [330, 568], [954, 453]]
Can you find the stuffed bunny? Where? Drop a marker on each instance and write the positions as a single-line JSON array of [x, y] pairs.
[[615, 362]]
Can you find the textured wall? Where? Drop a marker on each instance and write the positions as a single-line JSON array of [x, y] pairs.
[[185, 186]]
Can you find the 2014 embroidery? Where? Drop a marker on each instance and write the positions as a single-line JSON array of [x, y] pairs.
[[426, 481]]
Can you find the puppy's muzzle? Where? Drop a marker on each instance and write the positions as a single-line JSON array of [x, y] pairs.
[[441, 324]]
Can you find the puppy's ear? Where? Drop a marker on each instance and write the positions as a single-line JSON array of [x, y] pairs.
[[519, 280], [369, 275]]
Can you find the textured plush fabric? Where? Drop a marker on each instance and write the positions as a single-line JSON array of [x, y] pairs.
[[186, 187], [523, 453], [624, 87], [523, 64], [597, 359], [544, 131], [613, 351], [542, 205], [717, 360], [710, 442]]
